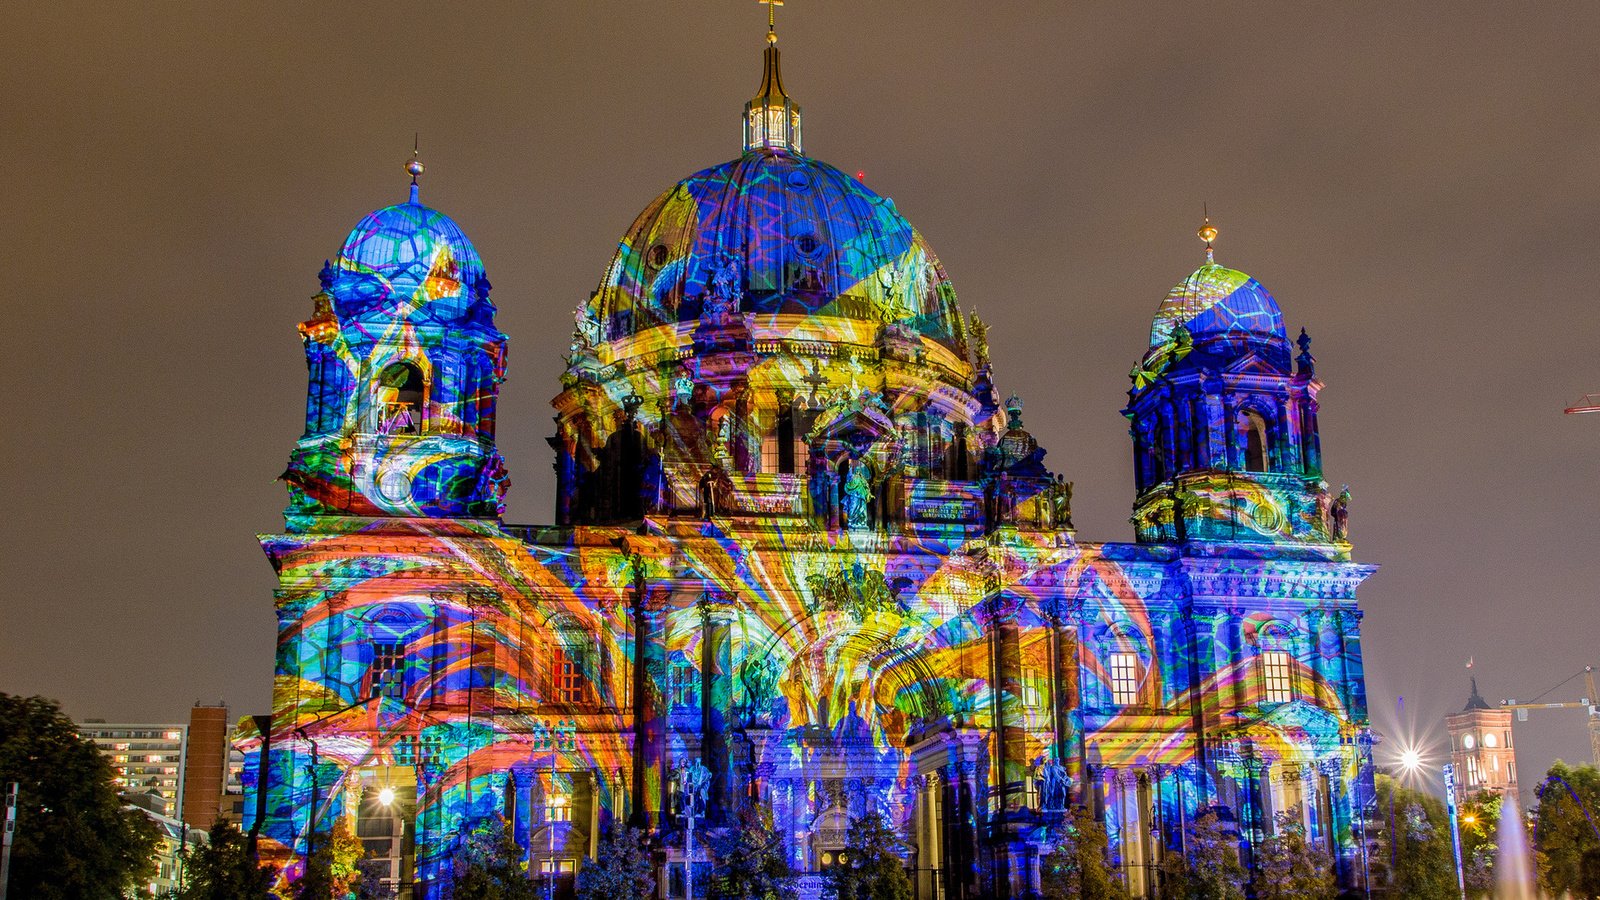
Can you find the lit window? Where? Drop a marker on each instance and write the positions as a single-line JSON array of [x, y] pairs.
[[559, 809], [1124, 679], [770, 457], [174, 735], [1253, 442], [1474, 773], [1489, 739], [1275, 676], [685, 688], [568, 677], [563, 867], [388, 669], [1030, 687]]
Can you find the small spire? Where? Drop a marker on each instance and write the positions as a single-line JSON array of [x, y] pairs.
[[1208, 233], [771, 118], [414, 167]]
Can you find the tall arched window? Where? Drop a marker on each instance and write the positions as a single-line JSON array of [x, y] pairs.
[[402, 393], [1254, 449]]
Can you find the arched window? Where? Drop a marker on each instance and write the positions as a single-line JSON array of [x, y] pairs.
[[402, 395], [1254, 448]]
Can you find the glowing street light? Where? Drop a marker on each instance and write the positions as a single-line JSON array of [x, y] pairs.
[[386, 796], [1410, 760]]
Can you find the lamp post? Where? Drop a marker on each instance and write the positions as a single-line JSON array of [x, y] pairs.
[[1363, 776], [1455, 826], [562, 735]]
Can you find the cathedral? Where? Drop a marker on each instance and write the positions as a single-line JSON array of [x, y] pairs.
[[806, 558]]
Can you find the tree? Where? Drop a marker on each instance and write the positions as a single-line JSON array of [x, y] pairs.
[[1568, 851], [872, 868], [489, 867], [331, 867], [223, 869], [1414, 831], [1208, 868], [73, 838], [751, 861], [1480, 825], [1080, 866], [1288, 866], [622, 868]]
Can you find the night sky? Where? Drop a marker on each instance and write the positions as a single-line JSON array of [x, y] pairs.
[[1419, 187]]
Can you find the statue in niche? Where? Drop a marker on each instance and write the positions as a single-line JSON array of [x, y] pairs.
[[1061, 502], [1341, 515], [725, 295], [708, 493], [722, 452], [1054, 784], [857, 493], [759, 673]]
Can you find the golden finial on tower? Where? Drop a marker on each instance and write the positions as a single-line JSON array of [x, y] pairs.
[[772, 19], [414, 166], [1208, 233]]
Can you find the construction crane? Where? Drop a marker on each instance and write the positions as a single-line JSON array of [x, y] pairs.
[[1586, 404], [1588, 703]]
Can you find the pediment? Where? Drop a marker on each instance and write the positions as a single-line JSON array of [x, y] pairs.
[[855, 425], [1251, 364]]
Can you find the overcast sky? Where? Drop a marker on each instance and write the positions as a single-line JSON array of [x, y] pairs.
[[1419, 185]]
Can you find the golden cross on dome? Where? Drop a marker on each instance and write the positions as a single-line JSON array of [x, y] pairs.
[[772, 19]]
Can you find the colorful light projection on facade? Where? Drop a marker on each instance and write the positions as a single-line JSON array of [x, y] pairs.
[[801, 542]]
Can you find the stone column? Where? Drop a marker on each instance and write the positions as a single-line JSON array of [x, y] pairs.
[[522, 808], [649, 703], [1064, 683], [1236, 665], [1006, 687], [716, 696]]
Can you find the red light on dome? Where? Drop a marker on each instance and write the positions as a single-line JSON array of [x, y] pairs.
[[861, 175]]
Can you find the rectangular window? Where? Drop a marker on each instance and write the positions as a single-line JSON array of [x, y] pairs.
[[1030, 687], [1275, 677], [559, 809], [771, 459], [685, 688], [568, 677], [1124, 678], [388, 669]]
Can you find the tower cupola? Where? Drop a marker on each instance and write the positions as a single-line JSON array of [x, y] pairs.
[[1224, 423], [772, 118]]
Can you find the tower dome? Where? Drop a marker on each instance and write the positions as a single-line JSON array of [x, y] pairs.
[[408, 262], [787, 234], [1216, 301]]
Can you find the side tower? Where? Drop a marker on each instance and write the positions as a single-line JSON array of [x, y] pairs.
[[405, 366], [396, 586], [1262, 622], [1224, 424]]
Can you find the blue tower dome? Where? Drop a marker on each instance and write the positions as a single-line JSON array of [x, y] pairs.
[[789, 235], [408, 262], [1217, 302]]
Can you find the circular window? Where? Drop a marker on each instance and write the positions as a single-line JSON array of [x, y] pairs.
[[1488, 740], [1467, 742], [807, 244], [798, 179], [658, 255], [395, 486]]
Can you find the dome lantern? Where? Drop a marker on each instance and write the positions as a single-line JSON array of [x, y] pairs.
[[772, 118]]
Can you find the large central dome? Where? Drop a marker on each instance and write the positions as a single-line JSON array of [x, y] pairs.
[[796, 235]]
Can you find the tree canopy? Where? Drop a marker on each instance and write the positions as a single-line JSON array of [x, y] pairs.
[[74, 838], [872, 868], [1079, 866], [1288, 866], [1565, 819], [1207, 867], [223, 869], [621, 868], [751, 861]]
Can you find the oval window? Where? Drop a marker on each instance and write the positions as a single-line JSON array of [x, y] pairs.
[[1488, 740], [807, 244], [1467, 742], [658, 255]]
